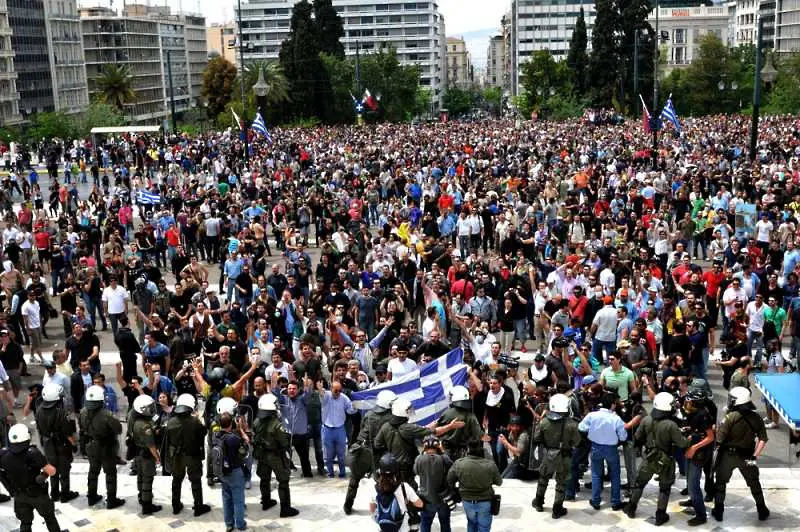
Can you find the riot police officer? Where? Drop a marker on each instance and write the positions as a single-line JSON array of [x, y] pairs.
[[140, 428], [23, 472], [398, 437], [271, 442], [741, 437], [362, 457], [57, 434], [185, 449], [661, 436], [457, 442], [559, 435], [700, 422], [101, 430]]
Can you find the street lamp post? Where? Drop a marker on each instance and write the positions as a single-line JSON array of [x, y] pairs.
[[656, 42], [756, 92], [261, 89], [241, 79]]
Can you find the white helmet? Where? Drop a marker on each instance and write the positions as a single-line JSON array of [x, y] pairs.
[[559, 404], [52, 392], [385, 399], [96, 393], [738, 396], [401, 407], [459, 393], [267, 403], [226, 405], [663, 401], [185, 403], [19, 433], [144, 405]]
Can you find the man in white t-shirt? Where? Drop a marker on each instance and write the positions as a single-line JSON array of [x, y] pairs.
[[763, 231], [401, 365], [31, 314], [755, 327], [277, 366], [115, 302]]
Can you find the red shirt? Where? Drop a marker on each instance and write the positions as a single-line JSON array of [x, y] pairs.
[[713, 280], [173, 237], [463, 287], [42, 239]]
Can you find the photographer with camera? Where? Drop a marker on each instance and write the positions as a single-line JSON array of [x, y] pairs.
[[432, 467]]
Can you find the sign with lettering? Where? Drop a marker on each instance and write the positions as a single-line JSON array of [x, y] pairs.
[[680, 12]]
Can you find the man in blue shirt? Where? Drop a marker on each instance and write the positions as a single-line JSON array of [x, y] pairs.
[[335, 407], [606, 429], [232, 269]]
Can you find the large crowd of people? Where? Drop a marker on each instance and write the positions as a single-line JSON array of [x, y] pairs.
[[249, 295]]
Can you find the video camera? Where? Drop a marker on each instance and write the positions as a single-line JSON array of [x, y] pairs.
[[508, 361]]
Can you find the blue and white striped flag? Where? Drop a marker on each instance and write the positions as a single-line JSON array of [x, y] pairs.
[[147, 198], [260, 127], [427, 387], [668, 113]]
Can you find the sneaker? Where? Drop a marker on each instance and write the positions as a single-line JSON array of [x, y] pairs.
[[770, 425], [523, 348]]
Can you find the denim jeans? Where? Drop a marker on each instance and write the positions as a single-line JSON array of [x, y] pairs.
[[479, 515], [429, 512], [315, 433], [597, 349], [93, 305], [755, 339], [693, 473], [233, 499], [334, 440], [610, 455]]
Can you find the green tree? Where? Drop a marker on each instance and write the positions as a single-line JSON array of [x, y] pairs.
[[493, 98], [457, 101], [577, 57], [712, 63], [50, 125], [632, 19], [278, 94], [300, 58], [424, 98], [115, 85], [784, 97], [330, 29], [603, 64], [218, 84], [96, 115], [541, 74]]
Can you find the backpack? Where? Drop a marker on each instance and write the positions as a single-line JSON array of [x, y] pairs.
[[387, 512], [220, 465]]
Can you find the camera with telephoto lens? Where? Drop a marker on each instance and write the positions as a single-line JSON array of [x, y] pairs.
[[646, 371], [724, 355], [508, 361]]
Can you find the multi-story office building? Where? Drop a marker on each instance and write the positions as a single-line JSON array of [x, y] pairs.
[[67, 64], [459, 64], [685, 26], [498, 63], [222, 41], [745, 14], [787, 26], [415, 29], [544, 25], [9, 97], [29, 41], [150, 41]]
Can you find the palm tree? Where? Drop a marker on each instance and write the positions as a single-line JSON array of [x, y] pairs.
[[115, 85], [273, 76]]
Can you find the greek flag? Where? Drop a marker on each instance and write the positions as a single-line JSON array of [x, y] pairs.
[[668, 113], [260, 127], [427, 387], [147, 198]]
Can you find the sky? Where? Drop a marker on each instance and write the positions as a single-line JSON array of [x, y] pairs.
[[476, 20]]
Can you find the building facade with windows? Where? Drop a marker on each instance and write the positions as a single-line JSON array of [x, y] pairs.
[[31, 61], [544, 25], [415, 29], [787, 26], [221, 41], [459, 64], [9, 97], [67, 63], [685, 26], [151, 41]]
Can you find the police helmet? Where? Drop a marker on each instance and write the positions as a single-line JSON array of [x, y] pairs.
[[19, 433], [384, 400], [559, 404], [664, 402], [387, 465], [267, 405], [216, 377], [185, 403], [144, 405], [459, 397], [51, 394], [226, 405], [402, 408], [739, 396]]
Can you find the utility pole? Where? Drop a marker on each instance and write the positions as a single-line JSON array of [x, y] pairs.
[[358, 68], [655, 91], [756, 93], [241, 82], [636, 71], [171, 92]]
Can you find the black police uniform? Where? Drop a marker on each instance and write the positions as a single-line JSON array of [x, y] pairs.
[[185, 449], [736, 436], [101, 430], [362, 453], [20, 472], [55, 429]]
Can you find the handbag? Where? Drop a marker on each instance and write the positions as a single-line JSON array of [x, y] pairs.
[[496, 504]]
